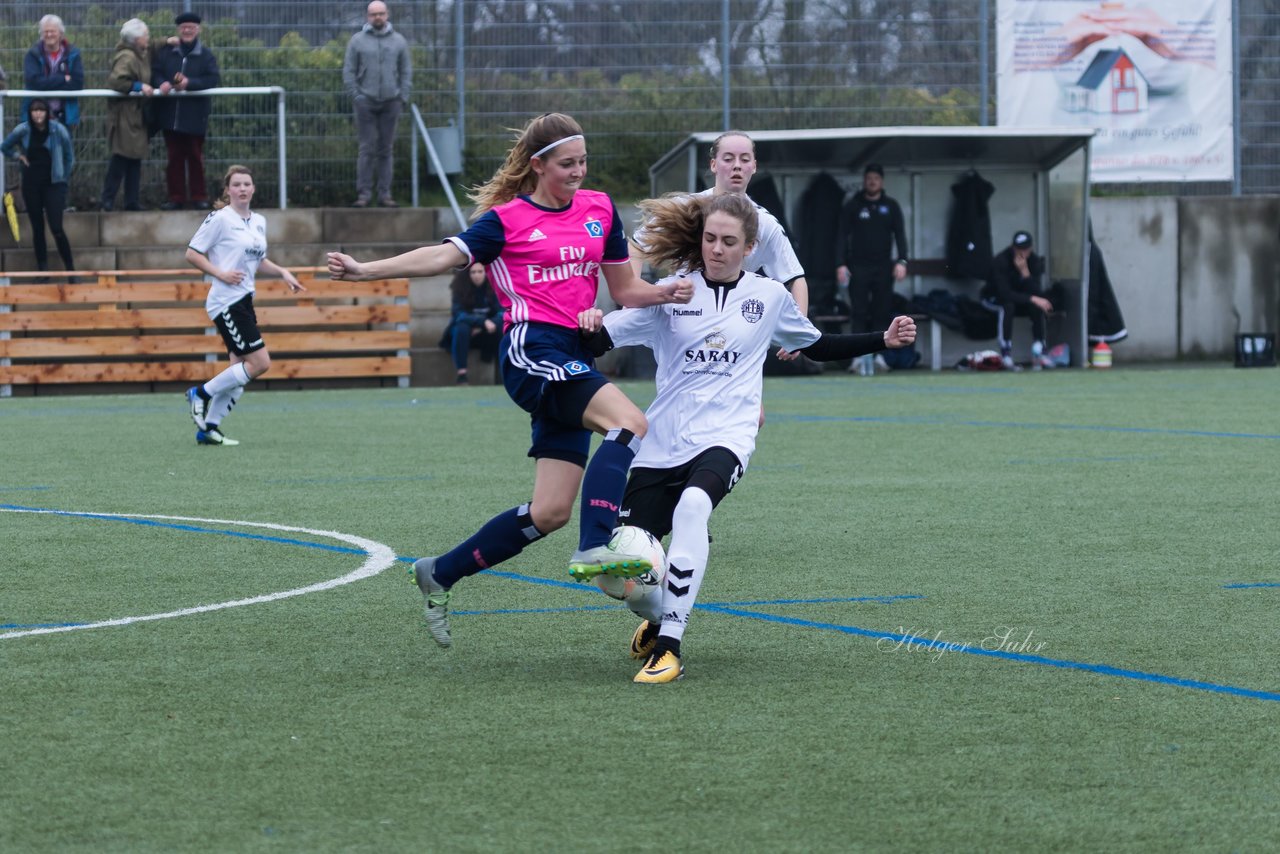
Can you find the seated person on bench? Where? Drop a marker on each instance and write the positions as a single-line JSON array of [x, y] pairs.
[[1015, 288]]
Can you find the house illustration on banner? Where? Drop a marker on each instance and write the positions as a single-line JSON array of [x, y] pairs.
[[1111, 84]]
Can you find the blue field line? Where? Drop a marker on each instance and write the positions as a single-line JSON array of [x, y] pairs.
[[1020, 425], [731, 609], [1246, 585], [950, 646], [24, 488], [194, 529]]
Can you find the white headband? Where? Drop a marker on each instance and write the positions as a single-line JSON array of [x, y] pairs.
[[546, 148]]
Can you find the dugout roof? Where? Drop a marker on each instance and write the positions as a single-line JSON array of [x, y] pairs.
[[1041, 175]]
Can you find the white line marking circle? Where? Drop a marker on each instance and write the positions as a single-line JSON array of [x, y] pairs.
[[378, 558]]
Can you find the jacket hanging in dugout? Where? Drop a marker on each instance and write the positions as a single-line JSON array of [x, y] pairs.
[[969, 248]]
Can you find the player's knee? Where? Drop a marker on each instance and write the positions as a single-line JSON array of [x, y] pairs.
[[550, 517], [634, 423]]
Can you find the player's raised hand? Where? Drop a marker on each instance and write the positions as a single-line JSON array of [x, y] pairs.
[[901, 332], [344, 267]]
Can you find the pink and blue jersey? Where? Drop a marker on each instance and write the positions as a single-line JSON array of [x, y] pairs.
[[545, 264]]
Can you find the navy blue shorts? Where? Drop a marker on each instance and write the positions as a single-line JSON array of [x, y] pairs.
[[550, 375]]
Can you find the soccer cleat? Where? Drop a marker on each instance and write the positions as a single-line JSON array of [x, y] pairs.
[[660, 668], [644, 640], [198, 407], [435, 606], [213, 436], [586, 564]]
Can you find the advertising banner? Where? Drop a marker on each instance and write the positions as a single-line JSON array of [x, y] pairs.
[[1153, 78]]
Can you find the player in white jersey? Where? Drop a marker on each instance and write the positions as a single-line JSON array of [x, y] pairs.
[[230, 247], [733, 163], [704, 419]]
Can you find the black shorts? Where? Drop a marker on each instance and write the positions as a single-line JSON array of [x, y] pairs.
[[652, 494], [238, 326]]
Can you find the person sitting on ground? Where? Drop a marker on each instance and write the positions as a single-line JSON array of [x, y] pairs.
[[1015, 288]]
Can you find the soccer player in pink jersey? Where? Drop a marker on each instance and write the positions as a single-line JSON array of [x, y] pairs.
[[544, 242]]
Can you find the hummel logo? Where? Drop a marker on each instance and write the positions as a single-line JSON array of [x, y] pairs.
[[536, 234]]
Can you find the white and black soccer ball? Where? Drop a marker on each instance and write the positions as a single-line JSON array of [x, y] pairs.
[[632, 540]]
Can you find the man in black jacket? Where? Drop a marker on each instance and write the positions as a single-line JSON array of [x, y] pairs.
[[185, 66], [871, 225], [1015, 288]]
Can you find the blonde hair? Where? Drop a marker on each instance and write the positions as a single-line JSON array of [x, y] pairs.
[[516, 176], [225, 198], [674, 225]]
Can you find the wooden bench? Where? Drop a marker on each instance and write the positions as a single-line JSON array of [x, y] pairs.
[[150, 327]]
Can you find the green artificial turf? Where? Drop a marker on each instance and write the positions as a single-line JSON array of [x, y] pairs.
[[943, 612]]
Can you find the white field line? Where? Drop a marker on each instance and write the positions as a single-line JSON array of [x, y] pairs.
[[378, 558]]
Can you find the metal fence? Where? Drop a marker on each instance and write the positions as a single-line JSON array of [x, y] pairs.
[[639, 74]]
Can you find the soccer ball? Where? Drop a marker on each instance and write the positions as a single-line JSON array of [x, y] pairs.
[[633, 540]]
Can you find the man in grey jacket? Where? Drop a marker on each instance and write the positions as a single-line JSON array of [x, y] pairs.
[[376, 73]]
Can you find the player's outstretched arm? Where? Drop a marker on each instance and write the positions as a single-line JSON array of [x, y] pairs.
[[630, 291], [423, 261]]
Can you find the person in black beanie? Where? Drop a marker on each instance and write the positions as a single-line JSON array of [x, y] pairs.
[[43, 146]]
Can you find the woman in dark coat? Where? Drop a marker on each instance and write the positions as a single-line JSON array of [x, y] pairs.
[[127, 136]]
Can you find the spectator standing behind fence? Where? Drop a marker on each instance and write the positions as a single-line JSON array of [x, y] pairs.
[[43, 146], [871, 223], [127, 137], [475, 316], [185, 65], [376, 74], [1015, 288], [54, 65]]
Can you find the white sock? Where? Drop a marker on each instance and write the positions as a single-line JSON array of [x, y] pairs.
[[233, 376], [686, 561], [1037, 348], [222, 404]]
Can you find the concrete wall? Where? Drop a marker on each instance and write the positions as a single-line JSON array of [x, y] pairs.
[[1190, 273], [1229, 269], [1139, 242]]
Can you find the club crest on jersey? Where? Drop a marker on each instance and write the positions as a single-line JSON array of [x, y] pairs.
[[594, 228], [752, 310], [574, 368]]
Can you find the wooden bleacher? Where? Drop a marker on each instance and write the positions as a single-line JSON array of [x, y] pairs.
[[150, 326]]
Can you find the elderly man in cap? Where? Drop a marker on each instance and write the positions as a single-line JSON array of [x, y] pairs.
[[871, 228], [184, 65], [1015, 288]]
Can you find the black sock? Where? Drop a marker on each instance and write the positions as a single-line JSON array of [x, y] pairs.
[[204, 395], [666, 644]]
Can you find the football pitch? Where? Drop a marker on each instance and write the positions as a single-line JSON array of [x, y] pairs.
[[943, 612]]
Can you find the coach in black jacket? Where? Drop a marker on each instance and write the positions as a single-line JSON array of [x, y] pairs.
[[187, 66], [1015, 287], [871, 224]]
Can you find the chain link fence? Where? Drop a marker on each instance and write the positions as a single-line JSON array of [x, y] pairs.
[[639, 76]]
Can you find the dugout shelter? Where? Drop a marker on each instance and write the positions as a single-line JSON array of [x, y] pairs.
[[1040, 176]]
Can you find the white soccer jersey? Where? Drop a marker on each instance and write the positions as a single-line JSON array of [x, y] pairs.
[[230, 242], [710, 356], [773, 255]]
